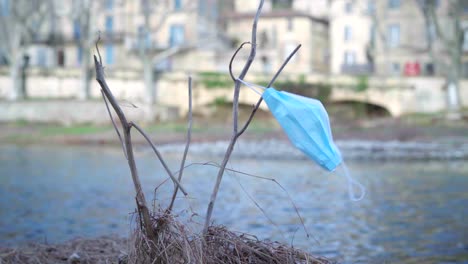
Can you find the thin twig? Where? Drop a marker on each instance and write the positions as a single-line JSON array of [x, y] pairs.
[[114, 124], [187, 145], [139, 215], [235, 114], [258, 206], [296, 209], [158, 154], [232, 60], [140, 196], [97, 48]]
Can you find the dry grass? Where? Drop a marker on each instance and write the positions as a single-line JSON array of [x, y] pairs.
[[178, 244], [175, 243]]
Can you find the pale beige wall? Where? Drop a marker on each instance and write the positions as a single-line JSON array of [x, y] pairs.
[[413, 38], [127, 18], [320, 48], [317, 8], [360, 24], [246, 6], [312, 35], [398, 95]]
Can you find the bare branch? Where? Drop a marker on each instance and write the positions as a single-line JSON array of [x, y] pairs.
[[158, 154], [430, 20], [435, 20], [113, 123], [296, 209], [140, 196], [235, 114], [232, 60], [97, 48], [187, 145]]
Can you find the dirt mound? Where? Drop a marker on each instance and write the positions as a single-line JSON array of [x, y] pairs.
[[80, 250]]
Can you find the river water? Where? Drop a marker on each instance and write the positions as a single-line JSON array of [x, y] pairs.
[[415, 212]]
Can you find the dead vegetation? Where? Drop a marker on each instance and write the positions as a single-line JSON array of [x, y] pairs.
[[176, 243], [160, 237]]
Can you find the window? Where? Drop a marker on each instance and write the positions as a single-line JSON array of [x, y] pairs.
[[465, 40], [393, 37], [79, 55], [60, 58], [4, 7], [395, 68], [394, 4], [281, 4], [348, 7], [349, 58], [177, 4], [41, 57], [110, 54], [177, 35], [144, 37], [76, 29], [3, 59], [202, 7], [109, 24], [429, 69], [109, 5], [370, 7], [431, 33], [373, 35], [348, 33], [465, 69], [266, 64], [264, 39]]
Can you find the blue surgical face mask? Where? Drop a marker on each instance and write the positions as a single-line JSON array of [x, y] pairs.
[[306, 123]]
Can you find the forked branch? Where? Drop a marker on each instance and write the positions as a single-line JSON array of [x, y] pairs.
[[235, 133], [140, 197], [128, 148]]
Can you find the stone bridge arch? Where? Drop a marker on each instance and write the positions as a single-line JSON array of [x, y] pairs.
[[391, 100]]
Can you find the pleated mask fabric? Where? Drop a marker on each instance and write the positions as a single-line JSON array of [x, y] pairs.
[[307, 125], [305, 121]]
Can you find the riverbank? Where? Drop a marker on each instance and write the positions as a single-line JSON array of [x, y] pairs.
[[79, 250], [409, 138]]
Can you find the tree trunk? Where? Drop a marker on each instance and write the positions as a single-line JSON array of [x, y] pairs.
[[85, 83]]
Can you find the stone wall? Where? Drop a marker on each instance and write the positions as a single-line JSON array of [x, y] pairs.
[[60, 87]]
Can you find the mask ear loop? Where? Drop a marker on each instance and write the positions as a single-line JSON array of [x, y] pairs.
[[252, 86], [351, 182]]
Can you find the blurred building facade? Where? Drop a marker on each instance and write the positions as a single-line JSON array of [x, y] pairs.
[[390, 37], [283, 26], [192, 24], [358, 37]]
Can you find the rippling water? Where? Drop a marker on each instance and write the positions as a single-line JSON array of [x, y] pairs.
[[413, 213]]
